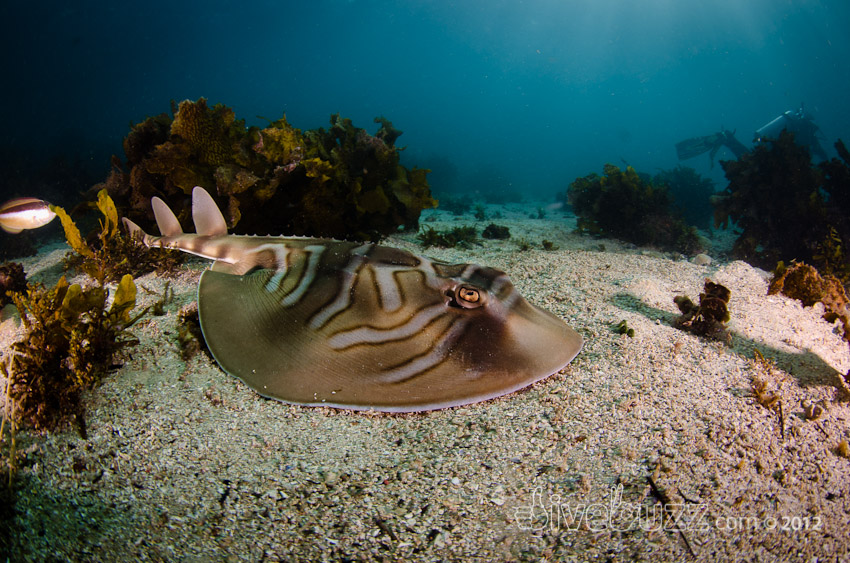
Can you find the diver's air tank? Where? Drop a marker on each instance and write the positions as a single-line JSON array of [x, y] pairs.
[[775, 127]]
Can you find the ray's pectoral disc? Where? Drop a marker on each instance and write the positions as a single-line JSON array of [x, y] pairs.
[[360, 326], [431, 352]]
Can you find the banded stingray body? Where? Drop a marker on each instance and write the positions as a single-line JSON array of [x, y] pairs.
[[361, 326]]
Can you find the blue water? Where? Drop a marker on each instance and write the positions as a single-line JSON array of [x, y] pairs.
[[490, 94]]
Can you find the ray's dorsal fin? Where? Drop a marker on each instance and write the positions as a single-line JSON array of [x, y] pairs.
[[205, 213], [168, 224]]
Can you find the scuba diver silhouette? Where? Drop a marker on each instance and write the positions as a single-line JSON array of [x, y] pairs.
[[801, 124], [797, 122]]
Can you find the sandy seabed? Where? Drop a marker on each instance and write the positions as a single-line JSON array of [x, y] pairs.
[[651, 448]]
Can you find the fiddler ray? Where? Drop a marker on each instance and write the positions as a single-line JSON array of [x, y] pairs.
[[356, 325]]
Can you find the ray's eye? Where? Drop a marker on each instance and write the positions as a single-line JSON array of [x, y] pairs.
[[468, 294], [467, 297]]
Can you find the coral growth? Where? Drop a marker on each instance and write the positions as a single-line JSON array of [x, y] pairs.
[[624, 205], [788, 209], [456, 236], [111, 254], [72, 337], [340, 182], [709, 318]]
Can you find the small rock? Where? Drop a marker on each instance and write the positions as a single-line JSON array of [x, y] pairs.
[[813, 411], [331, 478], [701, 260]]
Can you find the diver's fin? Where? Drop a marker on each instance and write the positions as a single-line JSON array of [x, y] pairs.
[[696, 146]]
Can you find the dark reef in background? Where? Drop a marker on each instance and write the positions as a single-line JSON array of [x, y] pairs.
[[787, 208], [59, 178], [494, 231], [341, 182], [624, 205], [691, 194]]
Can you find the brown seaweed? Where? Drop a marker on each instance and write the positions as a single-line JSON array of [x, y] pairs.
[[629, 206], [709, 318], [12, 279], [456, 236], [787, 208], [338, 182], [109, 254], [72, 336], [802, 281]]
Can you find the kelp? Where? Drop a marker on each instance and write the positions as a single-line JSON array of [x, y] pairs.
[[787, 208], [112, 254], [690, 194], [709, 318], [338, 182], [72, 336], [625, 205], [464, 237]]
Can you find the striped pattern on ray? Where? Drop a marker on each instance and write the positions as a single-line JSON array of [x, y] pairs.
[[361, 326]]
